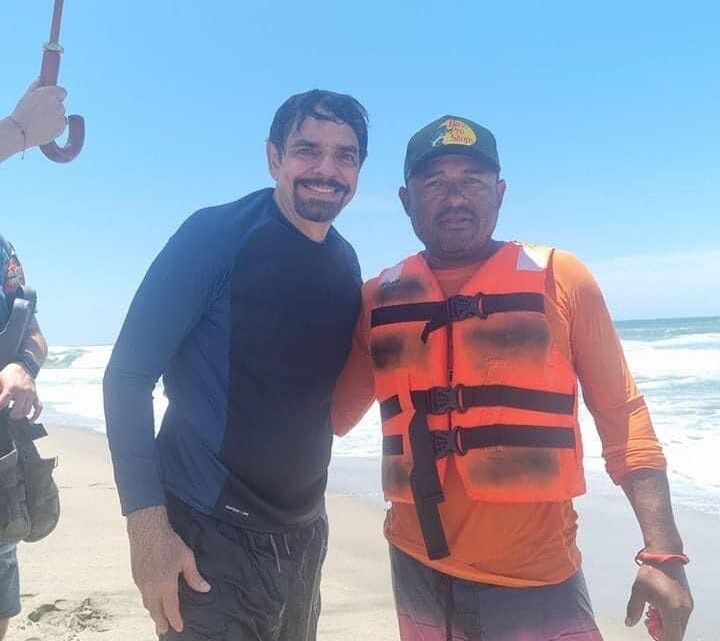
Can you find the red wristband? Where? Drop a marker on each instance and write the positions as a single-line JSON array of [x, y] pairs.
[[643, 557]]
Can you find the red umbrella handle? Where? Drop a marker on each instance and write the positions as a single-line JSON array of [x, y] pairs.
[[49, 73], [74, 144]]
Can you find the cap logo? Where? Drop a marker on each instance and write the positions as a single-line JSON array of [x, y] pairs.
[[454, 132]]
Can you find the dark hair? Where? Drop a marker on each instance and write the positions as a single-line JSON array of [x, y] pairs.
[[321, 105]]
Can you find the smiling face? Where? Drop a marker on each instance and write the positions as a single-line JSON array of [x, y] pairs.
[[316, 172], [453, 202]]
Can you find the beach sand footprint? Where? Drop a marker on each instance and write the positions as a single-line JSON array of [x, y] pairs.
[[66, 620]]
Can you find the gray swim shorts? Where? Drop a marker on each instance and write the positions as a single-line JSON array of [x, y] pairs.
[[482, 612]]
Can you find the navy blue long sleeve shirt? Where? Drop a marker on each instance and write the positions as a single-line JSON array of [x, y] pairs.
[[249, 322]]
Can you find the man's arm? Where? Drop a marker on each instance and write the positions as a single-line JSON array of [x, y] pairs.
[[172, 298], [355, 388], [17, 379], [170, 301], [12, 140], [17, 383], [35, 346], [632, 453], [157, 556], [663, 585], [35, 343], [649, 494], [37, 119]]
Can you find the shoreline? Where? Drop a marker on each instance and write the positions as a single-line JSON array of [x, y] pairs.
[[76, 583], [608, 537]]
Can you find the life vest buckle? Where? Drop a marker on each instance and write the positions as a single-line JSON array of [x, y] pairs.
[[441, 400], [446, 443], [461, 307]]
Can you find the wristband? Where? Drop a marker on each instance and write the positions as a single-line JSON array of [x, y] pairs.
[[27, 361], [643, 557]]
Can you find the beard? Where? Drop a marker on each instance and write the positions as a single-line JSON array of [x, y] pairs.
[[456, 240], [457, 233], [319, 210]]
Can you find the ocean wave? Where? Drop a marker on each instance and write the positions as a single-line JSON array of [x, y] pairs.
[[654, 364], [692, 341], [70, 385], [668, 329], [91, 357], [678, 372]]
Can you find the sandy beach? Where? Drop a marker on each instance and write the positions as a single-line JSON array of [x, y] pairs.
[[76, 584]]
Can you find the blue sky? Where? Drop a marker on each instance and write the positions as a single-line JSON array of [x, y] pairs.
[[607, 117]]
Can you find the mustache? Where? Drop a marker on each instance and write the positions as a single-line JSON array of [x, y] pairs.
[[456, 211], [321, 182]]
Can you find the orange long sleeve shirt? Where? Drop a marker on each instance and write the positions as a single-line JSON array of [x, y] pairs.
[[521, 544]]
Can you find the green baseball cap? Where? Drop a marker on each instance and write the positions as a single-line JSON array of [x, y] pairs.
[[450, 135]]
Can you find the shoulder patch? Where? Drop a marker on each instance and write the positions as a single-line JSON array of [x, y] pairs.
[[533, 258], [14, 276], [11, 271], [391, 275]]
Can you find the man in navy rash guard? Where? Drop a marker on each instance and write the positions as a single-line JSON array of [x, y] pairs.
[[248, 314]]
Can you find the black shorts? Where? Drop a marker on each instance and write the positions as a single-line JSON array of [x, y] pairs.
[[265, 585]]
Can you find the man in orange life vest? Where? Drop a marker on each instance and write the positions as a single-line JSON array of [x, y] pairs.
[[473, 349]]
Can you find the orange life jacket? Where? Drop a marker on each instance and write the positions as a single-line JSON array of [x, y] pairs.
[[476, 376]]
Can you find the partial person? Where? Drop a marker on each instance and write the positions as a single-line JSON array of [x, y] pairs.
[[19, 365], [38, 118], [474, 349], [247, 314]]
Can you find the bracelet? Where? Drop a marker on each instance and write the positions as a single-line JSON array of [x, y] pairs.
[[643, 557], [23, 132]]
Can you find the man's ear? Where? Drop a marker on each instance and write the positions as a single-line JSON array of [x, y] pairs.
[[500, 191], [274, 158], [405, 199]]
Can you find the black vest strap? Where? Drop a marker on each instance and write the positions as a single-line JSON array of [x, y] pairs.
[[390, 408], [461, 439], [457, 308], [427, 446], [430, 446], [392, 445], [426, 488], [440, 400], [432, 530], [515, 436]]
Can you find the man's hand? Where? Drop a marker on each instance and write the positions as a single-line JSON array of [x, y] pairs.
[[666, 588], [18, 387], [158, 556], [41, 114]]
